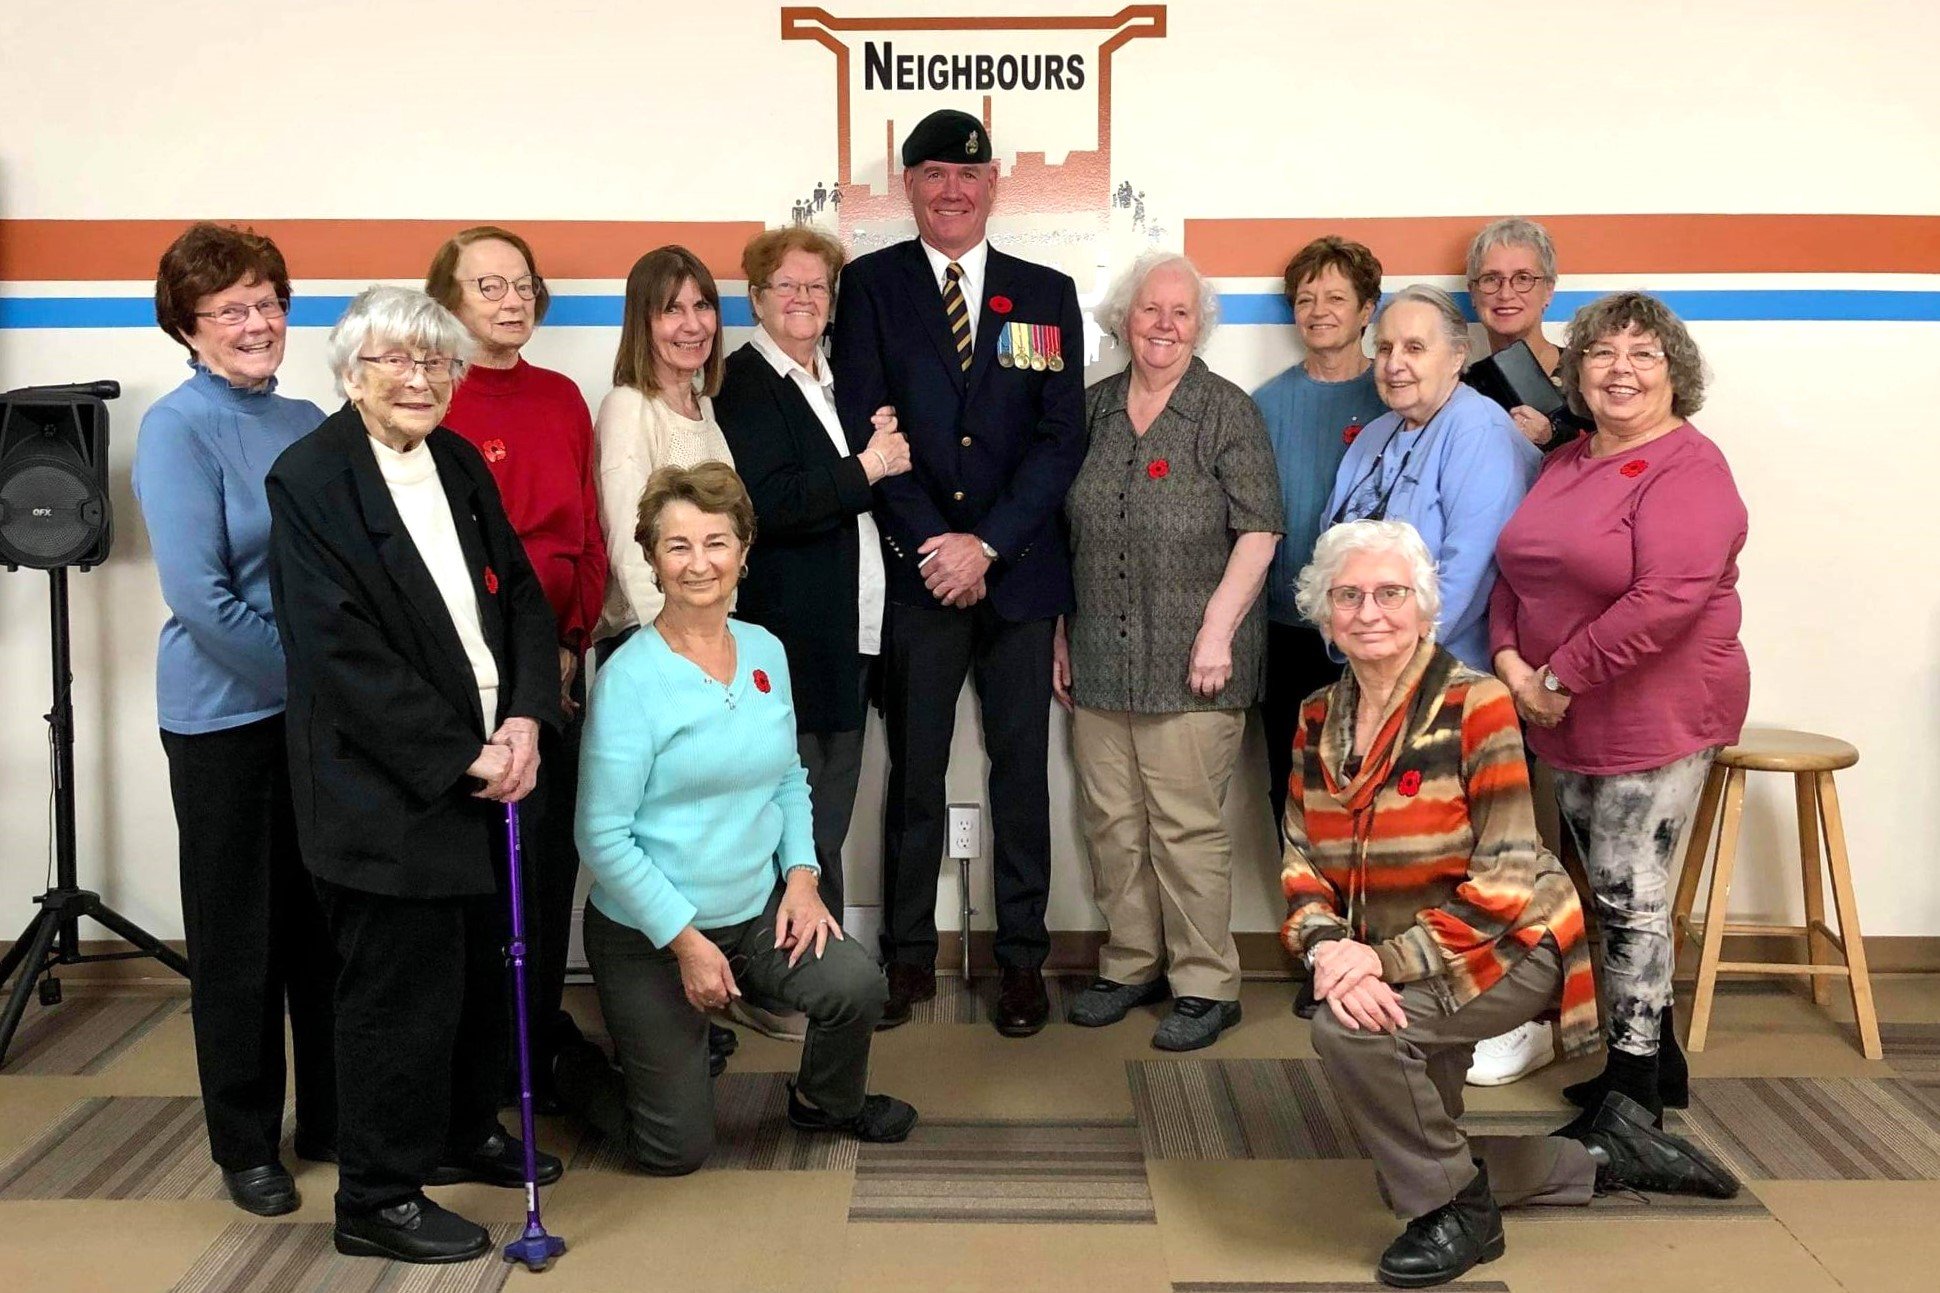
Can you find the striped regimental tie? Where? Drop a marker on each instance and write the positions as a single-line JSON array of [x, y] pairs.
[[957, 313]]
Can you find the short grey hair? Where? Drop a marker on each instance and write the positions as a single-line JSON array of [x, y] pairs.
[[396, 316], [1349, 537], [1112, 312], [1454, 326], [1512, 231]]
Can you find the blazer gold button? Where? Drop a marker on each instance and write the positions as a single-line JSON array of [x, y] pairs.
[[966, 442], [958, 496]]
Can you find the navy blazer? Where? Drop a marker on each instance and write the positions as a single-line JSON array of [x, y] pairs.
[[383, 715], [994, 451]]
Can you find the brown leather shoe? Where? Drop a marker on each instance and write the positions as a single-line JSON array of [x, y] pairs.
[[908, 984], [1022, 1003]]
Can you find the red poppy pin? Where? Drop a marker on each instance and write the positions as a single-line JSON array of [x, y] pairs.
[[1410, 783], [1635, 467], [761, 681], [494, 451], [491, 582], [1350, 433], [1158, 469], [1000, 304]]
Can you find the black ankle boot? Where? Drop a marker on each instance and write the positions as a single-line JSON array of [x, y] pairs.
[[1631, 1076], [1439, 1246], [1673, 1072]]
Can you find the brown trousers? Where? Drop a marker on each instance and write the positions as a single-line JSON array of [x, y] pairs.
[[1403, 1093], [1152, 789]]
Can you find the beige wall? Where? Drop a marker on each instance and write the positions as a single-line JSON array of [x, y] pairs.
[[358, 110]]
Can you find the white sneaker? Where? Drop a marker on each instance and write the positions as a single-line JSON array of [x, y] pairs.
[[1514, 1055], [782, 1025]]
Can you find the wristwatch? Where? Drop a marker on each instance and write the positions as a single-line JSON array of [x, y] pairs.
[[1551, 682], [988, 551]]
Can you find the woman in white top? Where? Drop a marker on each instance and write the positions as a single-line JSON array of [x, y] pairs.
[[660, 413]]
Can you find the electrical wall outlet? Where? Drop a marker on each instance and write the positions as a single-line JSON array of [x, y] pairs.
[[964, 839]]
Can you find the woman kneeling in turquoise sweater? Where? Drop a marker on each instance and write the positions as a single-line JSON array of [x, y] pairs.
[[694, 819]]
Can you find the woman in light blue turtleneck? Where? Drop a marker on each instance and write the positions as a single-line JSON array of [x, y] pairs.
[[254, 931]]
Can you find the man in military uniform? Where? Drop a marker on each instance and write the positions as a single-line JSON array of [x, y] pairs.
[[982, 356]]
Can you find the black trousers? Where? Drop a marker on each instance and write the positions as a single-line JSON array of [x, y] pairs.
[[551, 873], [1296, 667], [929, 651], [420, 1036], [256, 940], [833, 761]]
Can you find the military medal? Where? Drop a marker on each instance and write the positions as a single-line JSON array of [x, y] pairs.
[[1038, 362], [1003, 346], [1022, 344], [1055, 336]]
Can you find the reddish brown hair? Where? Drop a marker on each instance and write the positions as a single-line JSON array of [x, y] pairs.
[[1355, 262], [206, 259], [441, 280], [766, 250]]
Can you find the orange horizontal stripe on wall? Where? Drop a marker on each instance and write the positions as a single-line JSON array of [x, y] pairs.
[[102, 250], [1595, 244]]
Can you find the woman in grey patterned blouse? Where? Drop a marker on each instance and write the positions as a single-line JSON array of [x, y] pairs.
[[1174, 518]]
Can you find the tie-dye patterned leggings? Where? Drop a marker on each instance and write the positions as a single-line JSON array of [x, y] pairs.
[[1626, 829]]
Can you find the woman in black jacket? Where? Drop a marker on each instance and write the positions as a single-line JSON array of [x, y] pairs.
[[815, 580], [422, 659]]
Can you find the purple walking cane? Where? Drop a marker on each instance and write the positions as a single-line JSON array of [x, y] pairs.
[[535, 1247]]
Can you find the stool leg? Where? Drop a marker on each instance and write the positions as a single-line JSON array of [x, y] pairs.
[[1842, 897], [1703, 829], [1817, 950], [1714, 911]]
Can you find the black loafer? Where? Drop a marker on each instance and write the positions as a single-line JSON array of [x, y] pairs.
[[499, 1161], [1023, 1006], [416, 1230], [884, 1120], [908, 985], [266, 1191]]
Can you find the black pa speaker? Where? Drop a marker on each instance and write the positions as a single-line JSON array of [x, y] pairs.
[[54, 507]]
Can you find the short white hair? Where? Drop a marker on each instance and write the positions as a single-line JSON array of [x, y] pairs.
[[1513, 231], [1379, 537], [1454, 326], [397, 316], [1112, 312]]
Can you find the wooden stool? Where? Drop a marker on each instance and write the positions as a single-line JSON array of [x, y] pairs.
[[1811, 759]]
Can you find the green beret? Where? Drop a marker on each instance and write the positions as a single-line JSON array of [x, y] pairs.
[[947, 135]]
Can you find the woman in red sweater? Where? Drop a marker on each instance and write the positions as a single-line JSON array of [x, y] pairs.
[[1615, 625], [532, 427]]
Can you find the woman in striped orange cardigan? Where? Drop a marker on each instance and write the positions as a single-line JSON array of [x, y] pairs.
[[1432, 917]]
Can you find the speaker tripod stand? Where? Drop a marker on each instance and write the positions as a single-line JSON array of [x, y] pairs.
[[53, 938]]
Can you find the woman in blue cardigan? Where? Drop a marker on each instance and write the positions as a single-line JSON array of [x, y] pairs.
[[694, 819]]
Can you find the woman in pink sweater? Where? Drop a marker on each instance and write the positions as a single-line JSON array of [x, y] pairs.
[[1615, 625]]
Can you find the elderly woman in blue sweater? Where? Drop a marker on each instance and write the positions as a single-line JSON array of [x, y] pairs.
[[694, 819], [1443, 458]]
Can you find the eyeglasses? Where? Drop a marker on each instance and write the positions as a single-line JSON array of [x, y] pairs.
[[1522, 280], [1389, 597], [813, 291], [1604, 356], [230, 316], [492, 286], [437, 368]]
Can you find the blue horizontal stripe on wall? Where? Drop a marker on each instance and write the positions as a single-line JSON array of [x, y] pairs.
[[1779, 305], [1698, 305]]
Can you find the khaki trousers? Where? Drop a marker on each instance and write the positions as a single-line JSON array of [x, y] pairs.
[[1403, 1093], [1152, 791]]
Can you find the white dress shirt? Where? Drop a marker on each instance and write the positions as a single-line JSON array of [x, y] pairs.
[[820, 394], [972, 263]]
